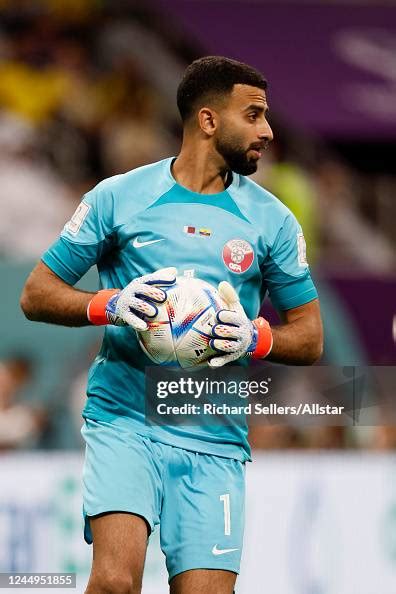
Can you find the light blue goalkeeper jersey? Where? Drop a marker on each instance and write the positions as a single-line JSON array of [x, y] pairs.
[[143, 220]]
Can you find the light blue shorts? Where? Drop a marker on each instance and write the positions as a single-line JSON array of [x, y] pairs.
[[197, 499]]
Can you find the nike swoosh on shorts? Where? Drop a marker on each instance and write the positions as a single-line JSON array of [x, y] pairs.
[[216, 551]]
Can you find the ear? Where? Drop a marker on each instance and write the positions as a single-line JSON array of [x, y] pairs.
[[208, 120]]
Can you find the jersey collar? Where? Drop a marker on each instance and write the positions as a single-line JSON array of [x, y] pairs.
[[233, 185]]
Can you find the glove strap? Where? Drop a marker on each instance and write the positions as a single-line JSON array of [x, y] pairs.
[[96, 310], [264, 339]]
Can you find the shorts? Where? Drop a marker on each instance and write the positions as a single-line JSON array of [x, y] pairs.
[[197, 499]]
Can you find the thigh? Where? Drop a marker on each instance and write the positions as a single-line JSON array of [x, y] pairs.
[[203, 581], [121, 473], [119, 551], [202, 517]]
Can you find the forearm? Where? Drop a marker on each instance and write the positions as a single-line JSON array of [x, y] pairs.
[[296, 343], [46, 298], [66, 309]]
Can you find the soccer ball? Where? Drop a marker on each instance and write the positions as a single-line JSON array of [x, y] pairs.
[[180, 333]]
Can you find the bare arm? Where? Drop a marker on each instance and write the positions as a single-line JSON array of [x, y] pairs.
[[47, 298], [299, 340]]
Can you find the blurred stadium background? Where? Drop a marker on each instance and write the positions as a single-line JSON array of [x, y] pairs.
[[87, 90]]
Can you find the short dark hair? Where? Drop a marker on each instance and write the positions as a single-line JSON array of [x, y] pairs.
[[213, 75]]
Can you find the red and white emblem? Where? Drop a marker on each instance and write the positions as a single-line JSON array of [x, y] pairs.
[[238, 255]]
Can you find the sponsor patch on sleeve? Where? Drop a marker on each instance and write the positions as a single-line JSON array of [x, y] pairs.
[[302, 250], [74, 225]]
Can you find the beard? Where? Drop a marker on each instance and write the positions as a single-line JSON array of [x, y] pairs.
[[235, 156]]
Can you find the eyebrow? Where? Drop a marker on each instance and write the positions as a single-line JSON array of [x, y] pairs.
[[258, 108]]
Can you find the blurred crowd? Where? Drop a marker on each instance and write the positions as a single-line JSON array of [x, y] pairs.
[[87, 90], [21, 424], [76, 105]]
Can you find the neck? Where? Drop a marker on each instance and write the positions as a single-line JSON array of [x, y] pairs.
[[199, 168]]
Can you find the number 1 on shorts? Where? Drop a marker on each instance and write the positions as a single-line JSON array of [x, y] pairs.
[[227, 513]]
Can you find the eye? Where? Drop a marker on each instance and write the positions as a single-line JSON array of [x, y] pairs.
[[252, 116]]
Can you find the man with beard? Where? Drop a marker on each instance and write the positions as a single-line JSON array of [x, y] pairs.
[[196, 212]]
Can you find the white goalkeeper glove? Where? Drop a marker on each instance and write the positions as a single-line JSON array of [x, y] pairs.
[[134, 303], [234, 335]]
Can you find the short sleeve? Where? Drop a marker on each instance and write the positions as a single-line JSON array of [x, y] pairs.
[[285, 270], [85, 238]]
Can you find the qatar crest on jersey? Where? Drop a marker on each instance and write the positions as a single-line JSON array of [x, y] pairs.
[[238, 255]]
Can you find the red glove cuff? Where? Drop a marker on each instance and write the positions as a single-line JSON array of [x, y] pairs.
[[264, 339], [96, 310]]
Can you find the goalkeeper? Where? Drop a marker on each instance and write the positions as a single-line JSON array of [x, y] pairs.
[[138, 228]]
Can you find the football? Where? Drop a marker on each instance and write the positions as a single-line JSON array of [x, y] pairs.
[[180, 333]]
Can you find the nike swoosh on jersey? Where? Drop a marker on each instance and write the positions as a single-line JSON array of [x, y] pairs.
[[139, 244], [216, 551]]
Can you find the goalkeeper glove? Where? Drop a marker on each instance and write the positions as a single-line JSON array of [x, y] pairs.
[[133, 304], [234, 335]]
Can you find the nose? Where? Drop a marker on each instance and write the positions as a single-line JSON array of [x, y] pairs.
[[266, 132]]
